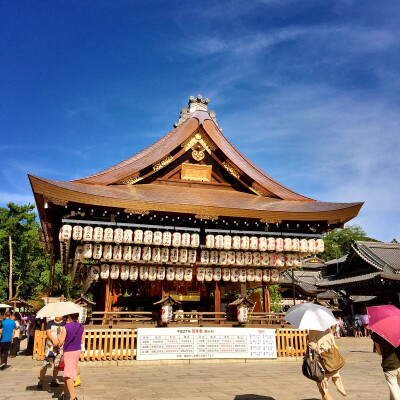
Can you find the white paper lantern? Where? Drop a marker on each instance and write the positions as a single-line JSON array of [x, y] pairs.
[[214, 257], [297, 260], [295, 245], [88, 250], [138, 236], [79, 253], [185, 239], [147, 237], [104, 271], [118, 235], [262, 243], [124, 272], [157, 238], [271, 244], [77, 232], [144, 272], [127, 253], [188, 274], [281, 260], [256, 258], [160, 273], [87, 233], [156, 254], [146, 255], [287, 244], [289, 260], [319, 246], [166, 238], [223, 258], [170, 274], [248, 258], [176, 239], [242, 275], [165, 254], [95, 273], [107, 252], [152, 273], [174, 255], [66, 232], [209, 274], [108, 235], [205, 257], [244, 242], [114, 273], [234, 275], [200, 274], [250, 275], [117, 252], [136, 253], [273, 259], [128, 235], [231, 257], [266, 275], [311, 245], [98, 234], [219, 242], [264, 258], [258, 275], [210, 241], [227, 242], [192, 256], [275, 275], [183, 256], [97, 251], [133, 272], [226, 274], [194, 240], [254, 243], [303, 246], [217, 274], [279, 244], [239, 258], [179, 273], [236, 242]]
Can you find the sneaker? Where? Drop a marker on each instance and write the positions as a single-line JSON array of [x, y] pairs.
[[40, 385], [54, 384]]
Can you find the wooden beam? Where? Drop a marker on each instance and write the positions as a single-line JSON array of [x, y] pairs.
[[266, 297]]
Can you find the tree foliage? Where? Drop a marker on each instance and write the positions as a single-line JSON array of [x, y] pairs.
[[275, 297], [338, 241]]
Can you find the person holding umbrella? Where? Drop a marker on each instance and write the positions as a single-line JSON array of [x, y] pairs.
[[384, 321], [318, 320]]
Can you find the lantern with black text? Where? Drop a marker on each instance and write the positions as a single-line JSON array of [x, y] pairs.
[[223, 257], [160, 273], [287, 244], [133, 272], [152, 273], [311, 245], [231, 257], [192, 255], [250, 275], [236, 242], [242, 275], [183, 256], [138, 236], [219, 242], [275, 275], [289, 257], [271, 244], [176, 239], [166, 312], [234, 275], [248, 258], [146, 255], [174, 255], [124, 272], [188, 274], [128, 236], [253, 243], [127, 253], [107, 252], [94, 273], [156, 254], [297, 260], [118, 235], [205, 257], [108, 235], [164, 254], [244, 242], [319, 246], [210, 241], [117, 252], [104, 271], [256, 258], [226, 274], [200, 274], [279, 244], [77, 232], [217, 274], [88, 250], [303, 246], [239, 258], [88, 233], [227, 242], [238, 309], [98, 234], [209, 274], [258, 275], [136, 253], [144, 272], [114, 273], [264, 258], [214, 257], [194, 240], [295, 245], [166, 238], [262, 243], [97, 251], [185, 239], [170, 275], [147, 237], [266, 274]]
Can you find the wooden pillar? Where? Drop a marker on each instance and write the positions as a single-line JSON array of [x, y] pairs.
[[217, 297], [108, 295], [163, 291], [243, 289], [266, 297]]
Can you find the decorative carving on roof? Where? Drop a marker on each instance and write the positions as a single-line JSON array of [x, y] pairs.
[[209, 217], [161, 164], [132, 180], [55, 201], [259, 191], [135, 211], [198, 155], [270, 221], [334, 221], [199, 140], [231, 169]]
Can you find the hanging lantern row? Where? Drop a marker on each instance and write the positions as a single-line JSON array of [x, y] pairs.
[[109, 252], [208, 274], [177, 239]]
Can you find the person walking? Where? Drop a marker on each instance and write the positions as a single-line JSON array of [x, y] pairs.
[[390, 364], [72, 338], [16, 335], [53, 351], [8, 326], [365, 322], [321, 341]]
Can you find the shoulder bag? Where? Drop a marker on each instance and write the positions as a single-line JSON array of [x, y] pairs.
[[332, 360], [61, 363], [312, 368]]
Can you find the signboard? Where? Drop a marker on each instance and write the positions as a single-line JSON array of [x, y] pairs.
[[191, 343]]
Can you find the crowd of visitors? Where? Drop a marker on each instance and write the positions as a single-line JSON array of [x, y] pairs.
[[357, 326]]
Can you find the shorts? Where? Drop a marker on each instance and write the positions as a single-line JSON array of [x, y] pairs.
[[52, 361]]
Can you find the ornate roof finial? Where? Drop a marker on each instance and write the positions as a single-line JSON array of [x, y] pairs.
[[198, 104]]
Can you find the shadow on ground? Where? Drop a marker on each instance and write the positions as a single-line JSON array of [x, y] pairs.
[[252, 397], [55, 392]]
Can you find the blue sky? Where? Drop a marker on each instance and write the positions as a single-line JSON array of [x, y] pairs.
[[309, 90]]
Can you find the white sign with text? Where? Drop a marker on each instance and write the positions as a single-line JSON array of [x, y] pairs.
[[208, 342]]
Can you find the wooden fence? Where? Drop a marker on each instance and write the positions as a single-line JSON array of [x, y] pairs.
[[120, 344]]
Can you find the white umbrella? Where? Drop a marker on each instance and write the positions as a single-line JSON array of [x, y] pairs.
[[58, 309], [310, 316], [4, 306]]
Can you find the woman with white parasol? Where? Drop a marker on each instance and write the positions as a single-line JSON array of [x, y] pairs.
[[318, 320]]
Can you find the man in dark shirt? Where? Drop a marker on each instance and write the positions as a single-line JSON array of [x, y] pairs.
[[390, 364]]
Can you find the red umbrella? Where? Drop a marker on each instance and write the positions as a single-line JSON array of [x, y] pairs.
[[385, 321]]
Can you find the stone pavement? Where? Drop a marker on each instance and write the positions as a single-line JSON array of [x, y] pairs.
[[205, 380]]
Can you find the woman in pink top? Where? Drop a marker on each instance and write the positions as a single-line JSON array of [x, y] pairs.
[[71, 337]]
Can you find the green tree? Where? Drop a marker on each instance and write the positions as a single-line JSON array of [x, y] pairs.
[[21, 254], [275, 297], [338, 241]]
